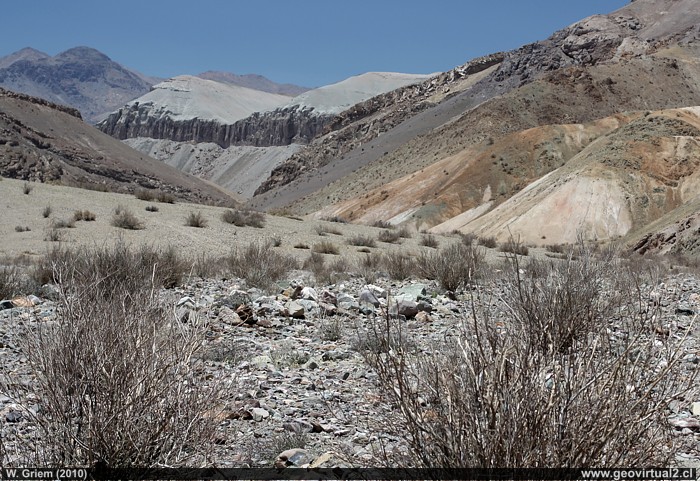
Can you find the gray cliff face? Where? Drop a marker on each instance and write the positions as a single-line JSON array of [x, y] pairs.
[[275, 128]]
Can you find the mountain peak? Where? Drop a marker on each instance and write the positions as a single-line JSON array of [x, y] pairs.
[[26, 53], [82, 54]]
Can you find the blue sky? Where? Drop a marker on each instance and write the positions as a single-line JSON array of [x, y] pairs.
[[306, 42]]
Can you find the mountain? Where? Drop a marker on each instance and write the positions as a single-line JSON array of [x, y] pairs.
[[575, 133], [239, 134], [255, 82], [46, 142], [81, 77]]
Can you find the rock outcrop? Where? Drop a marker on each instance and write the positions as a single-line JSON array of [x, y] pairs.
[[282, 126]]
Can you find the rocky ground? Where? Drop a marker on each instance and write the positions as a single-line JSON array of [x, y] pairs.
[[300, 391]]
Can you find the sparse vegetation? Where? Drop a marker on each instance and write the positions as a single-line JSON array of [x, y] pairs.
[[259, 264], [53, 234], [145, 194], [117, 345], [10, 282], [46, 212], [125, 219], [542, 363], [244, 218], [301, 245], [336, 219], [382, 224], [195, 219], [514, 247], [326, 247], [151, 208], [84, 215], [404, 232], [165, 197], [368, 266], [454, 266], [429, 240], [19, 228], [398, 265], [489, 242], [389, 236], [27, 188], [64, 224], [362, 240]]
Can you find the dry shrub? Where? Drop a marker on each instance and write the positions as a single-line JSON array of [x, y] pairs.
[[454, 266], [46, 212], [405, 233], [195, 219], [362, 240], [398, 265], [125, 219], [84, 215], [19, 228], [117, 376], [244, 218], [389, 236], [529, 382], [259, 264], [64, 224], [326, 247], [382, 224], [429, 240], [11, 282], [165, 197], [514, 247], [27, 188], [152, 208], [326, 272], [336, 219], [145, 194], [301, 245], [368, 266], [489, 242]]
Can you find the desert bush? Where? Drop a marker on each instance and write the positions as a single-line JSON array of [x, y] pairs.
[[145, 194], [514, 247], [503, 393], [276, 240], [116, 375], [259, 264], [467, 238], [454, 266], [152, 208], [27, 188], [244, 218], [53, 234], [404, 232], [556, 248], [125, 219], [84, 215], [301, 245], [398, 265], [368, 266], [195, 219], [326, 272], [382, 224], [19, 228], [389, 236], [489, 242], [64, 224], [322, 230], [429, 240], [326, 247], [336, 219], [10, 282], [362, 240], [165, 197], [46, 212]]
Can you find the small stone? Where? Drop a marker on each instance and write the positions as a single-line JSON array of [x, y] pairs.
[[368, 297], [328, 297], [403, 307], [695, 408], [13, 417], [412, 292], [423, 316], [295, 309], [309, 293], [246, 314], [292, 457], [684, 311], [259, 414]]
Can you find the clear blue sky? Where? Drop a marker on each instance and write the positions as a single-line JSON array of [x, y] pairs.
[[306, 42]]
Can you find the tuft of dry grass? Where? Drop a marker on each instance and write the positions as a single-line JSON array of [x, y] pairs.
[[362, 240], [326, 247], [259, 264], [244, 218], [125, 219], [389, 236], [195, 219]]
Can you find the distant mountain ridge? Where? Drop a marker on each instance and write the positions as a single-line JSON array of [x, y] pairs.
[[255, 82], [80, 77]]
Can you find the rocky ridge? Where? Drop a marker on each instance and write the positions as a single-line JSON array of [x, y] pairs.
[[82, 77]]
